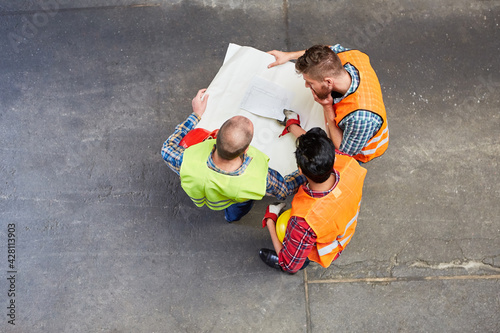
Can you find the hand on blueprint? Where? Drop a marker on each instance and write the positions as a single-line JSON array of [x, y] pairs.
[[199, 102], [282, 57], [291, 118]]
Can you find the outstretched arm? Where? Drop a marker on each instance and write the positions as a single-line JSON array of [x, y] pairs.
[[199, 102], [172, 152], [296, 130], [282, 187], [283, 57]]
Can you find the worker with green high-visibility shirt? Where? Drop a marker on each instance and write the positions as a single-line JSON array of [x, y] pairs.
[[225, 173]]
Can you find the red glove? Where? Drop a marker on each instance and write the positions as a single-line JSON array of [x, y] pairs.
[[272, 212], [290, 119]]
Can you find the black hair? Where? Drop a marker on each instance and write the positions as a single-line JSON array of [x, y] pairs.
[[315, 155]]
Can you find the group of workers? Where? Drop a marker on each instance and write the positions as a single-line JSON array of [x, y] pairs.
[[221, 169]]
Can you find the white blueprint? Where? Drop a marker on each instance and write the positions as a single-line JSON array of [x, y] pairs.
[[267, 99], [228, 90]]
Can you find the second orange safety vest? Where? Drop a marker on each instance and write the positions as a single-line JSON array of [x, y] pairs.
[[368, 96], [334, 216]]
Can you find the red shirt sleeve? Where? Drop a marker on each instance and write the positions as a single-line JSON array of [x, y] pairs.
[[297, 244]]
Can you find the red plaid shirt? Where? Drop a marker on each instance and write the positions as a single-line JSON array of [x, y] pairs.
[[300, 239]]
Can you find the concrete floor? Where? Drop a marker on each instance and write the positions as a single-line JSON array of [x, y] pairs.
[[105, 239]]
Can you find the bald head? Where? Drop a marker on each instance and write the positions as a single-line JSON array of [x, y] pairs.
[[234, 137]]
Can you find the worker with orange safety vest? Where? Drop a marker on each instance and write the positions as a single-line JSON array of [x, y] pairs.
[[345, 84], [220, 169], [324, 211]]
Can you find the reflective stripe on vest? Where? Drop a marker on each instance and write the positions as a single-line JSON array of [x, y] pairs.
[[376, 139], [329, 248], [212, 204], [333, 217], [216, 190], [368, 96]]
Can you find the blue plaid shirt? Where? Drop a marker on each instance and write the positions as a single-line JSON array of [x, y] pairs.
[[359, 126], [276, 185]]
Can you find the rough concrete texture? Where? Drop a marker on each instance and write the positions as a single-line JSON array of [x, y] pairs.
[[106, 241]]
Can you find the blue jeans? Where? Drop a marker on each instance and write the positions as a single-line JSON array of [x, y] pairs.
[[236, 211]]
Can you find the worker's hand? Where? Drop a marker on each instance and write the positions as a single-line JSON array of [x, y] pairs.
[[280, 56], [324, 102], [327, 104], [199, 102], [272, 212], [291, 118]]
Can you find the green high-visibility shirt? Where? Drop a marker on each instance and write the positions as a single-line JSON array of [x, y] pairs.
[[216, 190]]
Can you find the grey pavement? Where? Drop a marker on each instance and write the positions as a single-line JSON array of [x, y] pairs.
[[105, 238]]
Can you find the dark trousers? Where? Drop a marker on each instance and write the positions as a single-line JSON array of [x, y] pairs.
[[236, 211]]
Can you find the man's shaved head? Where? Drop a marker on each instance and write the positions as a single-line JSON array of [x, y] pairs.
[[234, 137]]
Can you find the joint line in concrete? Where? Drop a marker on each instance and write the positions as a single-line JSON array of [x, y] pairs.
[[308, 309], [36, 11], [407, 279]]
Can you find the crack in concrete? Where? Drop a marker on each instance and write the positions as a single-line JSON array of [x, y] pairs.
[[393, 263], [467, 265]]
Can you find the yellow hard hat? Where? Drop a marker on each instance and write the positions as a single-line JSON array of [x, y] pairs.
[[282, 223]]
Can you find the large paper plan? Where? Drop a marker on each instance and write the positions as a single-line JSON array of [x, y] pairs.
[[266, 98], [244, 74]]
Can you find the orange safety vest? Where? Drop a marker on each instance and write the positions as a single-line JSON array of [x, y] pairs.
[[368, 96], [333, 217]]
